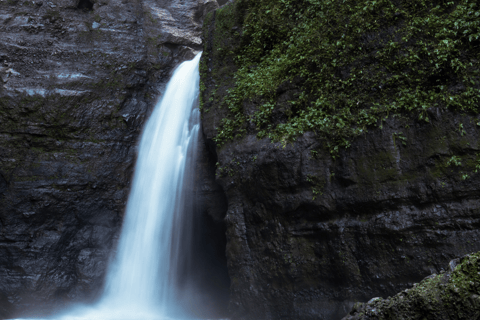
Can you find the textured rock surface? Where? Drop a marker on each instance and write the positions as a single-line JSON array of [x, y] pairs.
[[78, 79], [307, 235], [449, 295]]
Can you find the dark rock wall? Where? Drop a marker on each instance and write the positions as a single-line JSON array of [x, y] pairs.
[[308, 235], [78, 80]]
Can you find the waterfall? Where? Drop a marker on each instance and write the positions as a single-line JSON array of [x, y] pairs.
[[147, 251], [140, 282]]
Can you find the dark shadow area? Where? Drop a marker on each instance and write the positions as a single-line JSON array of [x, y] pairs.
[[85, 5], [3, 184], [207, 282], [5, 307], [202, 280]]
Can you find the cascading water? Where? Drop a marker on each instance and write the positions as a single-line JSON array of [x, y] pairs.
[[140, 281], [141, 277]]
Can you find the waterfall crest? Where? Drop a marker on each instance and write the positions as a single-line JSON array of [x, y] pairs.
[[140, 282]]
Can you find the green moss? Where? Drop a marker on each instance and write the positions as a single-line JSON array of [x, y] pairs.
[[226, 18], [466, 276], [450, 295], [54, 119], [353, 63]]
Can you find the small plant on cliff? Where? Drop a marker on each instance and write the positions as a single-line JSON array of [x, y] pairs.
[[317, 185], [454, 160]]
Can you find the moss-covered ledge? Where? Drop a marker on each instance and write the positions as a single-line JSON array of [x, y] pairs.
[[451, 295]]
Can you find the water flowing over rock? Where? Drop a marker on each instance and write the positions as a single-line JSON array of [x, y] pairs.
[[79, 78], [143, 281], [143, 274]]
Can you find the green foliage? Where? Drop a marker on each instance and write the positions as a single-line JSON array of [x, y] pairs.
[[477, 163], [454, 160], [230, 169], [351, 64], [317, 183], [399, 135]]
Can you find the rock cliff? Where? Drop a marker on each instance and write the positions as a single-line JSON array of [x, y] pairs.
[[315, 224], [78, 79]]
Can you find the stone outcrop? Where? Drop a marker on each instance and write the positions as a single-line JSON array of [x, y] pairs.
[[449, 295], [308, 235], [78, 79]]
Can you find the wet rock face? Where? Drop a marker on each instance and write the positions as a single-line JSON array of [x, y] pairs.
[[78, 79], [309, 235]]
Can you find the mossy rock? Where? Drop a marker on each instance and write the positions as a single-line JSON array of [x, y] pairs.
[[452, 295], [337, 68]]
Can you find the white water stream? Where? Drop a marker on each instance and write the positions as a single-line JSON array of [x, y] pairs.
[[140, 280]]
